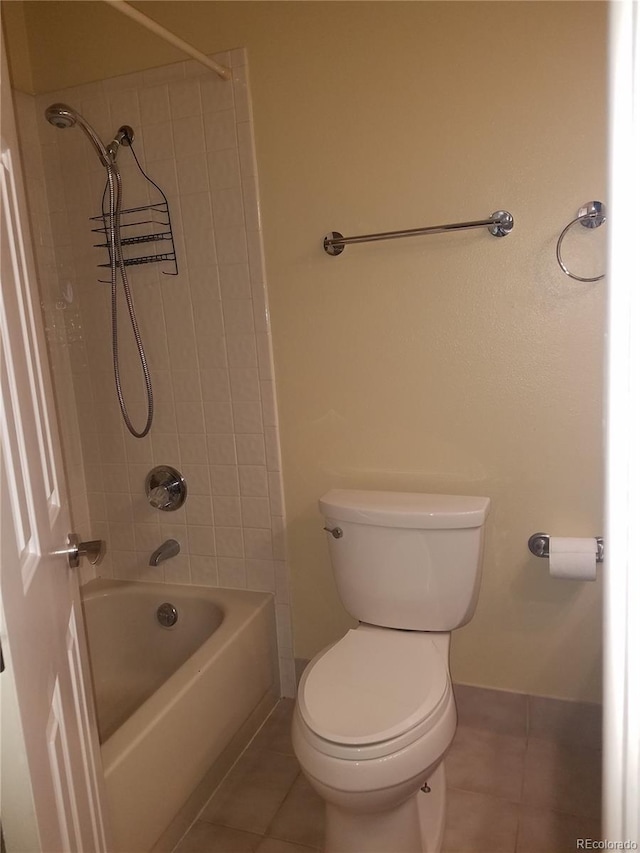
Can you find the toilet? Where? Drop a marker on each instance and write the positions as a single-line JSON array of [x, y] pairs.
[[375, 713]]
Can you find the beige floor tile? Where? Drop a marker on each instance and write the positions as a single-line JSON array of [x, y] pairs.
[[569, 723], [477, 823], [544, 831], [487, 763], [276, 845], [253, 791], [301, 817], [489, 772], [492, 710], [275, 734], [562, 778], [207, 838]]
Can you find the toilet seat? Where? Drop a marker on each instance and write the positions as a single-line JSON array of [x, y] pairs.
[[373, 693]]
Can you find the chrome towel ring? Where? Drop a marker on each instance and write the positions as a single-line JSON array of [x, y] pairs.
[[592, 215]]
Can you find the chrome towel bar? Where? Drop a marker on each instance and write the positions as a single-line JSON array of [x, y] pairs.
[[500, 223], [539, 546]]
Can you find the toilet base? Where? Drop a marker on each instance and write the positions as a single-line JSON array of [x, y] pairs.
[[432, 811], [414, 826]]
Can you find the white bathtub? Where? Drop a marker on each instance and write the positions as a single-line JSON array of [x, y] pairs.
[[170, 700]]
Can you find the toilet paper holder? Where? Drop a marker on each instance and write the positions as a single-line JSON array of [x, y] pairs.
[[539, 546]]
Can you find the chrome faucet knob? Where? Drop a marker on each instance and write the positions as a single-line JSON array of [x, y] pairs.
[[159, 498], [166, 488]]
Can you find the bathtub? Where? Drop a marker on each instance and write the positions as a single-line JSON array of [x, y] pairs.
[[170, 700]]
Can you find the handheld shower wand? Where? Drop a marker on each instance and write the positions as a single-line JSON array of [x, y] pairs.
[[64, 116]]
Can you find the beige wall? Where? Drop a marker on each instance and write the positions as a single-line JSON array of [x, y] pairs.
[[453, 363], [17, 44]]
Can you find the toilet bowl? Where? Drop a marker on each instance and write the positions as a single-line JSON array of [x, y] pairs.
[[369, 753], [375, 713]]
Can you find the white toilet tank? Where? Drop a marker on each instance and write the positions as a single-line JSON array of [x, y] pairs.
[[405, 559]]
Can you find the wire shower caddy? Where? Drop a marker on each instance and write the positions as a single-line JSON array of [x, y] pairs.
[[141, 226]]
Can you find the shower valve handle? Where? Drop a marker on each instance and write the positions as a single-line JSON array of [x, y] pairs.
[[93, 550], [166, 488]]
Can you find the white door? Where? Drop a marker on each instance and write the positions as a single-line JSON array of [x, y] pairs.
[[621, 812], [42, 635]]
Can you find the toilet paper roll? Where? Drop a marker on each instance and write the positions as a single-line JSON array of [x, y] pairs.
[[572, 559]]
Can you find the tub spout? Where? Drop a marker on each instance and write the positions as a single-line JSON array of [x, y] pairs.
[[170, 548]]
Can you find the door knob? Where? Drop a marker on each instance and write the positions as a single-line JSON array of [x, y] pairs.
[[93, 550]]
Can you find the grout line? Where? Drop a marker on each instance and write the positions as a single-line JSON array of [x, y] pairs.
[[284, 800], [219, 785], [485, 794], [518, 827], [289, 841]]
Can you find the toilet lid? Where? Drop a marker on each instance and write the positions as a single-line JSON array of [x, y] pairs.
[[373, 685]]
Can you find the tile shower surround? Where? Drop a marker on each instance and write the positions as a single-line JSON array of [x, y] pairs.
[[206, 332]]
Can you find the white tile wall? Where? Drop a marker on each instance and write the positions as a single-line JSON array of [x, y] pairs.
[[205, 331]]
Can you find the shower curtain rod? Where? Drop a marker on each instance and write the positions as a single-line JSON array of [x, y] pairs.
[[123, 7]]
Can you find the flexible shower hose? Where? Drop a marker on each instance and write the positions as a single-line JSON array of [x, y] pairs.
[[117, 262]]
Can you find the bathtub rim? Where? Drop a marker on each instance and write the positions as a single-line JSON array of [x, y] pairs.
[[239, 607]]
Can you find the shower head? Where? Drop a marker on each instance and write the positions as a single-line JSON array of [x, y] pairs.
[[63, 116]]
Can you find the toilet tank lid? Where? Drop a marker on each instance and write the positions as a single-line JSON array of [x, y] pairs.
[[405, 509]]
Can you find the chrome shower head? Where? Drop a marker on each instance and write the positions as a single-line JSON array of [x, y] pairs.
[[63, 116]]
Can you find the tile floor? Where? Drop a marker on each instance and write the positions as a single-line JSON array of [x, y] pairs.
[[522, 775]]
